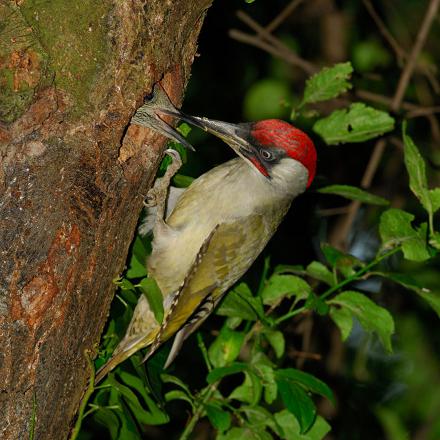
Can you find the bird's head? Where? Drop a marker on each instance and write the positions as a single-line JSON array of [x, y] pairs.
[[268, 146]]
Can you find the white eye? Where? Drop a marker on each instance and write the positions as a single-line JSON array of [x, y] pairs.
[[266, 155]]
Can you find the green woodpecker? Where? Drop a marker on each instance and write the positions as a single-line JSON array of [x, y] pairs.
[[218, 225]]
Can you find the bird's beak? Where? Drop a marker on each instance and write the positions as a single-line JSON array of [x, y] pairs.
[[232, 134], [148, 116]]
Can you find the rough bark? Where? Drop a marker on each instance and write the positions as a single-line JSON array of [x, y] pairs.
[[73, 176]]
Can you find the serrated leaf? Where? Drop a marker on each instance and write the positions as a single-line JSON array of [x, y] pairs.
[[218, 417], [395, 228], [226, 347], [154, 296], [358, 123], [291, 429], [280, 286], [373, 318], [328, 83], [354, 193], [320, 272], [306, 381], [250, 390]]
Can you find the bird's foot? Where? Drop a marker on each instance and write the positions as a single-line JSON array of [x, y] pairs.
[[157, 195]]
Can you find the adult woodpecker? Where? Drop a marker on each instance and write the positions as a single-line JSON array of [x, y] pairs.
[[217, 226]]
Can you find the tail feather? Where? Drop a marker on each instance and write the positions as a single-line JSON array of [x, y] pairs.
[[123, 351]]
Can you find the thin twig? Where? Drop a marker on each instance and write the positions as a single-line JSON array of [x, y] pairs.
[[286, 12], [413, 110], [412, 60], [327, 212], [293, 58], [395, 104], [400, 53], [252, 40]]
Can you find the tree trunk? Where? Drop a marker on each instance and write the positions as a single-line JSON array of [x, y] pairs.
[[73, 176]]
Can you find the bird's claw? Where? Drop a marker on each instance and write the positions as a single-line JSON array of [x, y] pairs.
[[156, 196]]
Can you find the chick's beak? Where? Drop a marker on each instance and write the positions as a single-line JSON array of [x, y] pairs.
[[148, 116]]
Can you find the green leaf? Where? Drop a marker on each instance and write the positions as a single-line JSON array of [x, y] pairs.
[[137, 384], [124, 284], [434, 195], [226, 347], [239, 303], [154, 296], [181, 181], [280, 286], [218, 417], [136, 268], [356, 124], [328, 83], [250, 390], [137, 264], [179, 395], [259, 418], [276, 340], [395, 228], [291, 429], [320, 272], [415, 165], [306, 381], [345, 263], [219, 373], [130, 398], [343, 318], [184, 129], [298, 402], [168, 378], [267, 376], [354, 193], [372, 317], [316, 303], [434, 240], [245, 433], [110, 420], [432, 298]]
